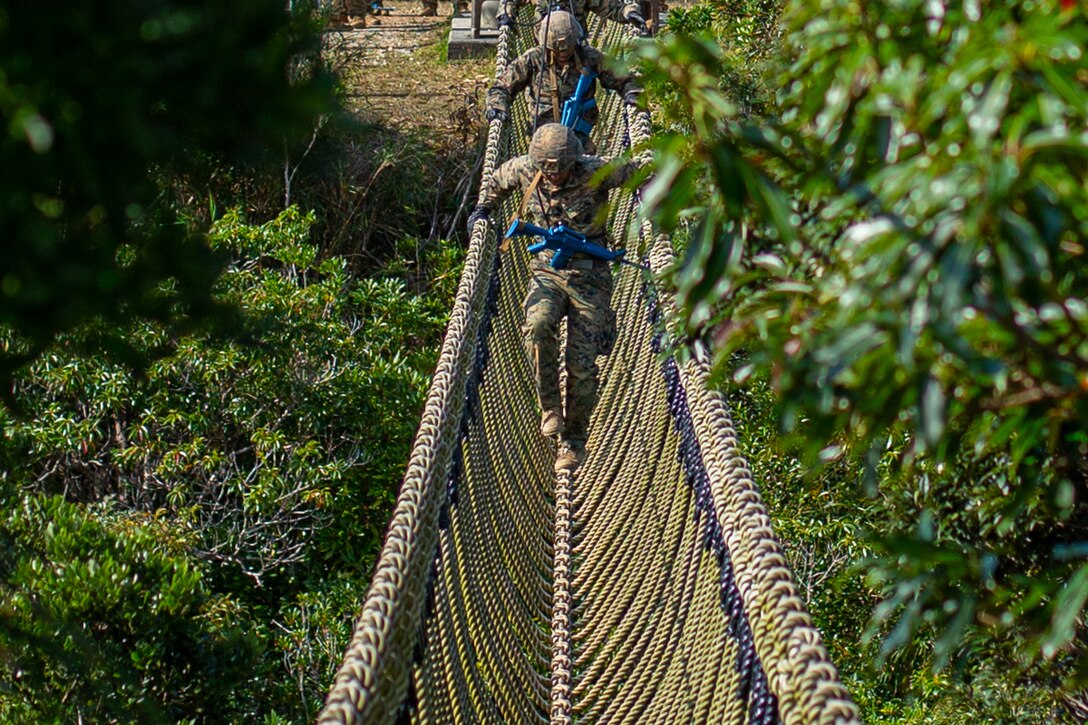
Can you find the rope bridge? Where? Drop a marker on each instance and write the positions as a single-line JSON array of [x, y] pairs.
[[646, 588]]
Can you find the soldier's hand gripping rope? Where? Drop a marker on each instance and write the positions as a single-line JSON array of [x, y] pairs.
[[480, 213], [635, 18]]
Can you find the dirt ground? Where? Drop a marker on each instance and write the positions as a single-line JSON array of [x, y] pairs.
[[394, 73]]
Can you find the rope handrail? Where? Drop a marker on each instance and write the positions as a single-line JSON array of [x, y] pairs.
[[646, 587]]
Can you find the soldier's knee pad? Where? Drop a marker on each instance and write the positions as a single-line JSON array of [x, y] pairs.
[[538, 331]]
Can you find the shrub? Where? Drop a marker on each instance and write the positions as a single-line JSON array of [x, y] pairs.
[[267, 460], [103, 615]]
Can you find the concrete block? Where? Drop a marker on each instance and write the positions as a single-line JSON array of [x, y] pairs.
[[464, 43]]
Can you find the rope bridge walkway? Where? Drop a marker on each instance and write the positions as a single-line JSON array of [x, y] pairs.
[[646, 588]]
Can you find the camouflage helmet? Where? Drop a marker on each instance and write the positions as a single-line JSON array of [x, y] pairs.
[[554, 148], [559, 31]]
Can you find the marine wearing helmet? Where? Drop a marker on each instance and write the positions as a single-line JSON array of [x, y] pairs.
[[553, 151], [554, 184], [550, 73], [559, 32]]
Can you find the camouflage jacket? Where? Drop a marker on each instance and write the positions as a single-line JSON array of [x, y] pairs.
[[617, 10], [574, 203], [530, 70]]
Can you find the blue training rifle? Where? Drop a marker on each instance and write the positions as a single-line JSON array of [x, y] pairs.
[[564, 242], [578, 104]]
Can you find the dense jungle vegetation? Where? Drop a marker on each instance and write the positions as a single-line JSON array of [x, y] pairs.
[[209, 392]]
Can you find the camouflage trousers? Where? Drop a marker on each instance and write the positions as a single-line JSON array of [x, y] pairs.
[[582, 294]]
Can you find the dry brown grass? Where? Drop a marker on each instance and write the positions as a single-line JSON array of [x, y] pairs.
[[394, 74]]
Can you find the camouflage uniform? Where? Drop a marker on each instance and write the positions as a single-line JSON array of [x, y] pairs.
[[581, 292], [617, 10], [531, 70]]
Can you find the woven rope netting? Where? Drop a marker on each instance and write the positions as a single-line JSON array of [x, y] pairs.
[[647, 588]]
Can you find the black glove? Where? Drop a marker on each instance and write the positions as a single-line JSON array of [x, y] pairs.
[[481, 212], [631, 98], [495, 113], [505, 21], [635, 18]]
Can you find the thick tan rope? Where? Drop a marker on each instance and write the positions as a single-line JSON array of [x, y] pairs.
[[505, 594], [561, 605], [373, 678]]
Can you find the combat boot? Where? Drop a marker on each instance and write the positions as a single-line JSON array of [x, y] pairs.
[[551, 423], [429, 11], [572, 456]]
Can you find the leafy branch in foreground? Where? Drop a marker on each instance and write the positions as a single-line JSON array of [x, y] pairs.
[[898, 249], [95, 102]]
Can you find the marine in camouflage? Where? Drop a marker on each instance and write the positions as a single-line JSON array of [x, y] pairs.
[[532, 70], [581, 292]]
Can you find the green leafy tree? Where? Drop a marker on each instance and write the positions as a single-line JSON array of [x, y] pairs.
[[107, 618], [182, 540], [265, 463], [896, 248]]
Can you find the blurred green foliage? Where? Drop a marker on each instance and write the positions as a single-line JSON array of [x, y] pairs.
[[97, 95], [891, 246]]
